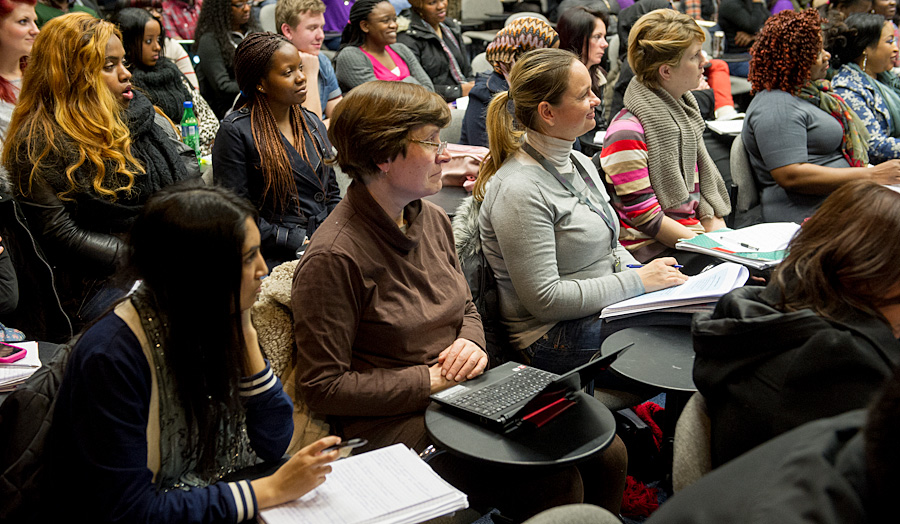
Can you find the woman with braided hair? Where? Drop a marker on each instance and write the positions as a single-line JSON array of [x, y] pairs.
[[220, 28], [273, 151], [158, 77], [370, 51], [803, 141]]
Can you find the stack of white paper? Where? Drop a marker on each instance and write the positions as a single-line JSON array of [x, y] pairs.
[[761, 246], [704, 288], [11, 375], [387, 485]]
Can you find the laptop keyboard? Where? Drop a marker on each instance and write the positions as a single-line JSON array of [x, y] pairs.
[[495, 398]]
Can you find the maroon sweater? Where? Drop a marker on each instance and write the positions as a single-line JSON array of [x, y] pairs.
[[373, 308]]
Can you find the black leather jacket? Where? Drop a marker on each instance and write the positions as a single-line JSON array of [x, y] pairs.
[[237, 165], [425, 44], [82, 247], [39, 313]]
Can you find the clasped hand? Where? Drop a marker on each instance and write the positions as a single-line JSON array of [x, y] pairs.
[[462, 360]]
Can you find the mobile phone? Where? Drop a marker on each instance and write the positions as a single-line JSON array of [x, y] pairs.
[[10, 353], [352, 443]]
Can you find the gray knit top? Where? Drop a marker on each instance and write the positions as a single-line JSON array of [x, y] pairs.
[[549, 252]]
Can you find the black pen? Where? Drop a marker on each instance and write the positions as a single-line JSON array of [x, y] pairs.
[[748, 246], [352, 443]]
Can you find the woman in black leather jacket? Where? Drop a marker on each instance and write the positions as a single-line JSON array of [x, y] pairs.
[[437, 42], [84, 153], [272, 151]]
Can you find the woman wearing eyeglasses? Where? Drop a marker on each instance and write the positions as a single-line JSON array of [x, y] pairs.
[[221, 27], [382, 314]]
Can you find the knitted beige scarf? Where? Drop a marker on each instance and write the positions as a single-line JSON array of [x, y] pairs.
[[673, 130]]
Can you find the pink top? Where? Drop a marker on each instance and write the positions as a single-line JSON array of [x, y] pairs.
[[382, 72]]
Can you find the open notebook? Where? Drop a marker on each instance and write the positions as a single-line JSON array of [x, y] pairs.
[[390, 485]]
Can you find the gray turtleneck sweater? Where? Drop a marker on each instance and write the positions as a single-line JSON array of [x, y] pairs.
[[550, 253]]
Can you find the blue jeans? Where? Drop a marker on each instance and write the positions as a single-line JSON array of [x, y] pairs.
[[741, 69]]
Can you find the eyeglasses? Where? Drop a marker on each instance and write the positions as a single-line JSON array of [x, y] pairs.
[[441, 146]]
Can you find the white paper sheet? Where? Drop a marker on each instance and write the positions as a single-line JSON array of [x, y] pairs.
[[21, 369], [387, 485]]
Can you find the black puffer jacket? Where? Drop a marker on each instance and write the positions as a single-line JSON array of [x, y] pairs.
[[426, 45], [764, 372]]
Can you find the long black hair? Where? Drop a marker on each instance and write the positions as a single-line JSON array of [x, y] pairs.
[[187, 247], [575, 27], [215, 18], [132, 22]]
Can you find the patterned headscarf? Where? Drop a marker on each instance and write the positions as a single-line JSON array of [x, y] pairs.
[[520, 36]]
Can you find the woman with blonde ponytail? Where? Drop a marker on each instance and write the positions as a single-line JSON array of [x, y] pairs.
[[546, 225], [272, 151]]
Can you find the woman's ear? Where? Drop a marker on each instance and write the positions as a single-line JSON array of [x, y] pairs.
[[665, 72], [364, 26], [547, 114], [385, 167]]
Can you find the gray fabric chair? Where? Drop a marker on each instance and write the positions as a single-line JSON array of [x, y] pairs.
[[481, 65], [691, 455], [746, 200], [574, 514], [452, 132], [267, 18]]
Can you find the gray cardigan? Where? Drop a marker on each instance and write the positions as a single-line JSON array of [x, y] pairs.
[[550, 253], [353, 68]]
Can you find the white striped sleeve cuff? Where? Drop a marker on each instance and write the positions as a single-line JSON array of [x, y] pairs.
[[259, 383], [244, 500]]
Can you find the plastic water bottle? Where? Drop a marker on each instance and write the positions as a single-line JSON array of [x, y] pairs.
[[190, 130]]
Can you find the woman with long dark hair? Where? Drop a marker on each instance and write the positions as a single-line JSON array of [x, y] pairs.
[[220, 28], [273, 151], [84, 152], [158, 77], [370, 51], [169, 392], [583, 32]]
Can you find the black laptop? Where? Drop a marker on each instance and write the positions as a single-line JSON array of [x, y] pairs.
[[512, 395]]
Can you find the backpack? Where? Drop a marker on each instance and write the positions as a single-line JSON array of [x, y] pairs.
[[25, 419]]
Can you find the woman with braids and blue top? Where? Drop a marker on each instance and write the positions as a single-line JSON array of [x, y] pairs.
[[169, 392], [221, 27], [370, 51], [273, 151]]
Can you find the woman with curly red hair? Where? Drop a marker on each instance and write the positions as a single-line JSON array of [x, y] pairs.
[[18, 27], [803, 141]]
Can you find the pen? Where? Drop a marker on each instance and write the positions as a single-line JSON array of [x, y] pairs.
[[634, 266], [748, 246]]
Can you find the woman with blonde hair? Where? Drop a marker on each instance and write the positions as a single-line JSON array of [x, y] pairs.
[[663, 182], [545, 223], [84, 152]]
